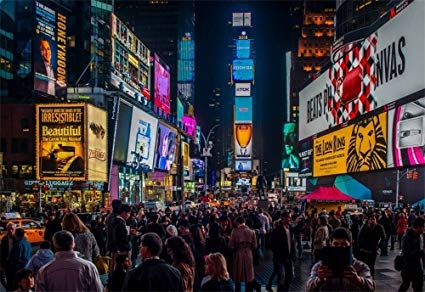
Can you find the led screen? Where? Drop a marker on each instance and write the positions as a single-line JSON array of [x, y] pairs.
[[243, 109], [243, 70], [97, 144], [198, 168], [50, 51], [186, 70], [189, 125], [180, 110], [243, 140], [290, 157], [166, 147], [162, 85], [141, 140], [243, 49], [121, 136], [243, 165], [185, 155]]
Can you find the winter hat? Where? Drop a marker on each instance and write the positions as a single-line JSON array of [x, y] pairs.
[[172, 230]]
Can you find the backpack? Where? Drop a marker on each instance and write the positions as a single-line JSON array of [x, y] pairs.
[[398, 262], [102, 264]]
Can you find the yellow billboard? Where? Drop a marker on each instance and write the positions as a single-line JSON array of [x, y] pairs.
[[185, 155], [357, 147], [97, 144]]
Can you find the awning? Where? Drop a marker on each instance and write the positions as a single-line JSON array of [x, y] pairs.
[[327, 194]]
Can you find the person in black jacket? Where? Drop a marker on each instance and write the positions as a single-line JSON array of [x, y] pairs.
[[153, 274], [116, 279], [217, 278], [120, 233]]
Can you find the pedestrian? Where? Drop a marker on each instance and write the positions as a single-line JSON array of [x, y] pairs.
[[24, 280], [217, 278], [401, 228], [18, 258], [385, 221], [52, 226], [67, 272], [41, 257], [320, 238], [117, 276], [110, 248], [153, 274], [355, 276], [119, 243], [5, 248], [413, 253]]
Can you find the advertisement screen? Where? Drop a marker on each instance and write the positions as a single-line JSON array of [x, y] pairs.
[[243, 49], [243, 109], [243, 165], [162, 85], [243, 140], [306, 158], [141, 140], [290, 156], [166, 147], [407, 139], [189, 125], [369, 76], [180, 110], [243, 69], [243, 89], [185, 155], [97, 144], [198, 168], [60, 141], [355, 148], [49, 51], [185, 71], [121, 136], [130, 68]]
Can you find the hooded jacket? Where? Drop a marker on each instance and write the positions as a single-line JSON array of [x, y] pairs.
[[39, 259]]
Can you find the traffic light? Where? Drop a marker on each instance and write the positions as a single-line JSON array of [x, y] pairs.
[[415, 174], [409, 174]]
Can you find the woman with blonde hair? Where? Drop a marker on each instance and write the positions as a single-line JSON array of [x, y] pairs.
[[85, 242], [217, 278]]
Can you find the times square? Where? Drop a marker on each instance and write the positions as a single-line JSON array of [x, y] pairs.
[[114, 161]]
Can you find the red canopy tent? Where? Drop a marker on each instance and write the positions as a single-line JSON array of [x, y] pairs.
[[327, 194]]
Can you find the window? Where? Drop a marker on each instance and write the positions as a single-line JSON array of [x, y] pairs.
[[25, 125]]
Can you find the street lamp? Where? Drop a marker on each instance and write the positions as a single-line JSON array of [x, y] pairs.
[[399, 177], [206, 152]]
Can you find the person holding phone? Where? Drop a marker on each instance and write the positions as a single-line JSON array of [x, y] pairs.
[[342, 272]]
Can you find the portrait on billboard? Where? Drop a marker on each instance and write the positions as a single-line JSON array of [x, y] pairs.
[[290, 157], [166, 141], [45, 72]]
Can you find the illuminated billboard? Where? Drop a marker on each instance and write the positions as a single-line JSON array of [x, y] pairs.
[[189, 125], [161, 84], [243, 70], [121, 136], [290, 156], [180, 110], [198, 168], [242, 89], [407, 139], [306, 158], [241, 19], [141, 140], [185, 155], [243, 110], [50, 47], [60, 137], [386, 67], [130, 68], [358, 147], [166, 147], [97, 144], [243, 165], [186, 70], [243, 140], [243, 49]]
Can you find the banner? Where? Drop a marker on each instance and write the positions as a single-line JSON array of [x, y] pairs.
[[185, 155], [358, 147], [60, 136], [243, 140]]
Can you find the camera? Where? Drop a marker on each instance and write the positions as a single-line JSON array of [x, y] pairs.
[[337, 258]]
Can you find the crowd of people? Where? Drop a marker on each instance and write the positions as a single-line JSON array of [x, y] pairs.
[[212, 249]]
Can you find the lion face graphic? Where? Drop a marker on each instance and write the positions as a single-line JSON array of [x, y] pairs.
[[368, 147]]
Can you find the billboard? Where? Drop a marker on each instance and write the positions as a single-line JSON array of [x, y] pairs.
[[242, 89], [97, 144], [130, 67], [358, 147], [241, 19], [161, 85], [386, 67], [185, 70], [49, 47], [243, 49], [120, 145], [290, 156], [60, 137], [198, 168], [166, 146], [189, 125], [406, 142], [185, 155], [243, 110], [180, 110], [243, 70], [141, 139], [243, 165], [243, 140], [306, 158]]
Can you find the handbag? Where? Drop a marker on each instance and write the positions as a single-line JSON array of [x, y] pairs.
[[398, 262]]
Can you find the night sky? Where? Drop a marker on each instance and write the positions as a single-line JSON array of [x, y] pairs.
[[273, 37]]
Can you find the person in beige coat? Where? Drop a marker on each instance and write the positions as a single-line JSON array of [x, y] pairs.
[[242, 243]]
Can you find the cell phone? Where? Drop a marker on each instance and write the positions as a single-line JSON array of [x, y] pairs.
[[337, 258]]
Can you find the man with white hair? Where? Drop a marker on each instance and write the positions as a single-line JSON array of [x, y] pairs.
[[67, 272]]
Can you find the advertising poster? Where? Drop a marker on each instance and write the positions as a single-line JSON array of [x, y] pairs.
[[243, 89], [60, 141], [180, 110], [185, 155], [290, 156], [407, 138], [243, 70], [49, 51], [141, 140], [198, 168], [243, 110], [306, 158], [189, 125], [355, 148], [369, 75], [166, 147], [121, 136], [97, 144], [162, 85], [243, 49], [243, 165], [243, 140]]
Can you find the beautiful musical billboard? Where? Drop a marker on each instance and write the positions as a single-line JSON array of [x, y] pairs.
[[243, 140], [162, 84], [406, 142], [50, 47], [243, 70], [243, 110], [141, 140], [97, 144], [60, 137], [358, 147], [166, 147], [385, 67]]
